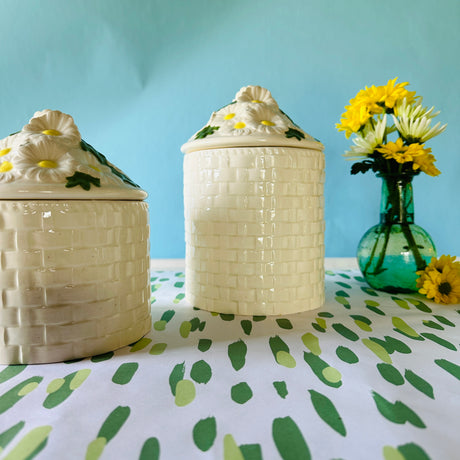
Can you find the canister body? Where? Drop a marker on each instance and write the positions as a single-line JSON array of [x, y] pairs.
[[74, 278], [254, 226]]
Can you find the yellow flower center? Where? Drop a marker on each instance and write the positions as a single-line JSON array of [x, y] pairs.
[[5, 167], [4, 152], [229, 116], [47, 164], [239, 125], [95, 168], [256, 101], [52, 132], [267, 123]]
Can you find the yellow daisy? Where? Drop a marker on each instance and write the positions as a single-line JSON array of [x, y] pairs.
[[353, 119], [402, 153], [377, 98], [438, 265], [442, 287], [426, 164]]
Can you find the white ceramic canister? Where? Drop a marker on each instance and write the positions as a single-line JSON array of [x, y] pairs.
[[254, 211], [74, 247]]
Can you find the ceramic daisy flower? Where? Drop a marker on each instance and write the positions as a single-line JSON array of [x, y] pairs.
[[255, 95], [240, 126], [224, 115], [44, 160], [91, 165], [55, 124], [9, 144], [8, 171], [267, 120]]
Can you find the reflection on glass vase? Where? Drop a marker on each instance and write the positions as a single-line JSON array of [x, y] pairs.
[[390, 253]]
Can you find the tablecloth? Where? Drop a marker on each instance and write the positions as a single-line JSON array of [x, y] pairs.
[[369, 375]]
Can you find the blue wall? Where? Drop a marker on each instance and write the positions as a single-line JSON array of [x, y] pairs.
[[140, 77]]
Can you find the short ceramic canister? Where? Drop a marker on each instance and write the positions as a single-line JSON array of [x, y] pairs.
[[254, 211], [74, 274]]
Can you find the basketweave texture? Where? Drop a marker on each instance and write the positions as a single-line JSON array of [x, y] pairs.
[[254, 229], [74, 278]]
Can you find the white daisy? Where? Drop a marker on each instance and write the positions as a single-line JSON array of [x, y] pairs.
[[89, 164], [413, 110], [255, 95], [56, 124], [417, 129], [44, 161], [267, 120], [367, 141]]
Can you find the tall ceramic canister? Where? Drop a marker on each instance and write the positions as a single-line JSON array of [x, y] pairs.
[[254, 211], [74, 247]]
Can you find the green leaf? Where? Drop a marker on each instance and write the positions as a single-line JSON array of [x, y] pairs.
[[83, 180], [237, 354], [204, 433], [289, 440], [176, 376], [418, 382], [397, 412], [361, 167], [201, 372], [291, 132], [150, 450], [327, 411], [114, 422], [206, 131], [89, 148]]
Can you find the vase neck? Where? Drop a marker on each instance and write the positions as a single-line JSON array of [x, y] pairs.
[[397, 202]]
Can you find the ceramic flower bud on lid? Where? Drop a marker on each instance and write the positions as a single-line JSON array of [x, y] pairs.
[[254, 218], [74, 241]]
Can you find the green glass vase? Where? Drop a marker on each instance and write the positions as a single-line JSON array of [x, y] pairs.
[[390, 253]]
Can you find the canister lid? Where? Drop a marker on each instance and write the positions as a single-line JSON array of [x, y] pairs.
[[253, 119], [49, 160]]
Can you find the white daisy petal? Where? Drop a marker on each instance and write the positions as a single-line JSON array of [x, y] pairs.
[[44, 160], [255, 95], [267, 120], [53, 123]]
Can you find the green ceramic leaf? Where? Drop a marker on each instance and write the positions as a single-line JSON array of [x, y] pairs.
[[83, 180]]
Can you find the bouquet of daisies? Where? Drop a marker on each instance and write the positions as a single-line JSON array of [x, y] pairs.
[[377, 112]]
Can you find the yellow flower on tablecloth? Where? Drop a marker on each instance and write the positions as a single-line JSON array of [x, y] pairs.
[[442, 287], [56, 124], [440, 280]]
